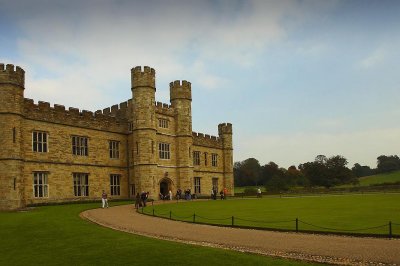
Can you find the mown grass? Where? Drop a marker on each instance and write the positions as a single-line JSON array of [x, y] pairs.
[[346, 213], [55, 235]]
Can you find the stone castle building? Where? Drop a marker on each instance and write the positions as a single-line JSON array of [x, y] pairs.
[[50, 154]]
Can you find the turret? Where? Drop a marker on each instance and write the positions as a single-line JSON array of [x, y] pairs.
[[225, 133], [144, 145], [181, 101], [12, 81]]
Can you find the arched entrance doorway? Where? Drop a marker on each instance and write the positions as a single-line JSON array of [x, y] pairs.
[[165, 187]]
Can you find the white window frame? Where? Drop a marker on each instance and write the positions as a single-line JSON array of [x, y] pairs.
[[40, 141], [164, 151], [215, 183], [214, 159], [114, 149], [80, 145], [163, 123], [196, 158], [40, 185], [197, 185], [115, 184], [81, 184]]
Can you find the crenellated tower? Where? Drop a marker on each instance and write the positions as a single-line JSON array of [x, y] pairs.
[[12, 81], [225, 133], [181, 101], [144, 129]]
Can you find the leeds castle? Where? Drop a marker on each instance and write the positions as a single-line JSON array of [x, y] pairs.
[[52, 154]]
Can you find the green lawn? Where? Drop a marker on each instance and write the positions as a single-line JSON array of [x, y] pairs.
[[342, 212], [55, 235], [381, 178]]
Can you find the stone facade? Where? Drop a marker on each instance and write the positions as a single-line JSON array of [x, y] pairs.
[[53, 154]]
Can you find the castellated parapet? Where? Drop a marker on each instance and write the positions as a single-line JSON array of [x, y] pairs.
[[206, 140], [49, 151], [10, 75], [145, 77], [180, 90], [225, 128]]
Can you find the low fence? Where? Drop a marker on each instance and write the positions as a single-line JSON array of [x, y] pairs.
[[294, 225]]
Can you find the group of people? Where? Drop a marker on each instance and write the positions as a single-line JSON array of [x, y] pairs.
[[187, 195], [166, 196], [141, 199], [222, 193]]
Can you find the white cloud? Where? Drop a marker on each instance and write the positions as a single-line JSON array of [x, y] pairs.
[[90, 46], [377, 57]]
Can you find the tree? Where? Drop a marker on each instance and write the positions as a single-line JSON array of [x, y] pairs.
[[328, 172], [247, 172], [296, 177], [388, 163], [268, 171], [362, 170], [338, 172], [321, 159]]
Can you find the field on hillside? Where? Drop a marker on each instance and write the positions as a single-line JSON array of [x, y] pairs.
[[55, 235], [364, 181], [381, 178], [335, 213]]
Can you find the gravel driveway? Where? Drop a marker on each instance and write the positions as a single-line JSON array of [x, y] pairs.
[[341, 250]]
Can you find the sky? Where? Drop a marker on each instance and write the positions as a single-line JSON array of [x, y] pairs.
[[295, 78]]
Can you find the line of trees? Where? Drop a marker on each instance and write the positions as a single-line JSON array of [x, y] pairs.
[[323, 171]]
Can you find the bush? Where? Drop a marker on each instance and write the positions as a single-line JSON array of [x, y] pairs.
[[250, 191]]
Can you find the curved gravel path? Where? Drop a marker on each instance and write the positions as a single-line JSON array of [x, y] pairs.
[[318, 248]]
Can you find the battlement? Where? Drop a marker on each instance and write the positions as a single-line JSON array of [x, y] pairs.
[[117, 110], [10, 75], [165, 109], [224, 128], [180, 90], [143, 78], [42, 111], [201, 139]]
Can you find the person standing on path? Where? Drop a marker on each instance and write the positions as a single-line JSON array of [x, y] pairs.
[[137, 200], [170, 195], [259, 193], [104, 199]]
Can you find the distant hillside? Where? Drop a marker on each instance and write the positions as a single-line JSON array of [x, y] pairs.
[[392, 177]]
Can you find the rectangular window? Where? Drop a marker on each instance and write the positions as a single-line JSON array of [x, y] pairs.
[[214, 159], [14, 134], [81, 184], [114, 149], [196, 158], [163, 150], [205, 158], [80, 145], [40, 185], [130, 126], [39, 141], [115, 185], [197, 187], [163, 123], [215, 184]]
